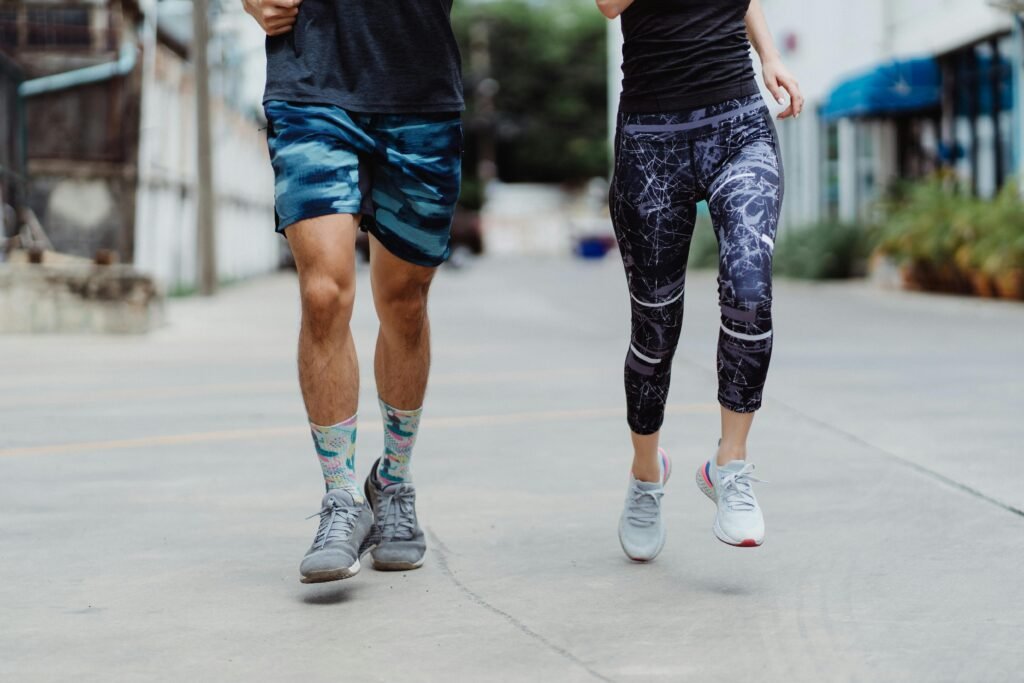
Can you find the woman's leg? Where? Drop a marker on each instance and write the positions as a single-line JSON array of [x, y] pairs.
[[744, 196], [745, 200], [652, 204], [735, 429], [653, 212], [645, 456]]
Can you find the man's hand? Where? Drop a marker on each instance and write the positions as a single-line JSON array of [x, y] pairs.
[[274, 16], [780, 82], [613, 8]]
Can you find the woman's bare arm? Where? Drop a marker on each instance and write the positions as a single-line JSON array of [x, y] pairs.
[[777, 77], [613, 8]]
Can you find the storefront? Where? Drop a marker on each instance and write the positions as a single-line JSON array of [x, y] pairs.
[[908, 118]]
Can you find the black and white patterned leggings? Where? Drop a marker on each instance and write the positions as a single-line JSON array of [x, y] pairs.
[[728, 155]]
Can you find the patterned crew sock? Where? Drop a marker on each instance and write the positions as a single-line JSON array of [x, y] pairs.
[[336, 449], [400, 427]]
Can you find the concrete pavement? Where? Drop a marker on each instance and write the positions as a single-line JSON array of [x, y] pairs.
[[153, 490]]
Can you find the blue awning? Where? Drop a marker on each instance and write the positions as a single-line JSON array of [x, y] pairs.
[[893, 88]]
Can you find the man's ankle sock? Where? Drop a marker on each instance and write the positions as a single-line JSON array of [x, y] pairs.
[[400, 427], [336, 450]]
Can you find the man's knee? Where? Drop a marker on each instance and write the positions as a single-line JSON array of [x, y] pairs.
[[402, 305], [327, 301]]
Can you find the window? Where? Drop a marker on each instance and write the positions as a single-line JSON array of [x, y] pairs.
[[59, 26], [8, 27]]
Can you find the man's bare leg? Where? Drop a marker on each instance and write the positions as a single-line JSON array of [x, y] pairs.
[[401, 365], [324, 250], [402, 360]]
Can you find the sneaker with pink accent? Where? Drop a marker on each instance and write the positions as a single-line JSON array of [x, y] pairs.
[[641, 529], [738, 521]]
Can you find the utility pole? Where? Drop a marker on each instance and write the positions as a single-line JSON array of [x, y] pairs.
[[486, 88], [206, 243]]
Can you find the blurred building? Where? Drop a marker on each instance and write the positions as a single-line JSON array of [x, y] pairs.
[[895, 89], [109, 130]]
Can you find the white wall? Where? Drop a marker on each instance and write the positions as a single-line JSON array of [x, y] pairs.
[[838, 38], [614, 73], [821, 42], [165, 221], [922, 27], [832, 38]]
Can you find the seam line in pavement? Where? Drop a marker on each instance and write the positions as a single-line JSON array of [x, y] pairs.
[[906, 462], [272, 387], [442, 556], [450, 422]]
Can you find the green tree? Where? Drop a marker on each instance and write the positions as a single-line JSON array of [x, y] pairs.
[[548, 60]]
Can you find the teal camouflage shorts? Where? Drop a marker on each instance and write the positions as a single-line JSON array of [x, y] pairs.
[[400, 172]]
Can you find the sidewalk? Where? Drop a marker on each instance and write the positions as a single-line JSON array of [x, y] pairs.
[[153, 493]]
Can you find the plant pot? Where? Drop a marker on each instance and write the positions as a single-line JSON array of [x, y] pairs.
[[982, 284], [916, 276], [1010, 284], [945, 279], [948, 279]]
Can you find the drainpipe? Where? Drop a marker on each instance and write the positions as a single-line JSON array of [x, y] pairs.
[[69, 79], [90, 74]]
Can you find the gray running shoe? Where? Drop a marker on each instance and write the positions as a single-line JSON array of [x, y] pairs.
[[346, 533], [641, 531], [402, 545], [738, 520]]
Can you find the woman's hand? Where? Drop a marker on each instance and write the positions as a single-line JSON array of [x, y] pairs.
[[274, 16], [613, 8], [781, 82]]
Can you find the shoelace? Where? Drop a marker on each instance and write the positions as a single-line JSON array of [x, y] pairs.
[[736, 491], [644, 506], [398, 514], [336, 524]]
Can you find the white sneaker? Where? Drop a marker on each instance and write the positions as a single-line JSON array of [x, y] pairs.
[[739, 521], [641, 531]]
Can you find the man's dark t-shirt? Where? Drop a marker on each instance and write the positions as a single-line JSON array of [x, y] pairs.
[[386, 56], [683, 54]]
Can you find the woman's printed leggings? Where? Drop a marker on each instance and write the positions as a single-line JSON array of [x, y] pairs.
[[728, 155]]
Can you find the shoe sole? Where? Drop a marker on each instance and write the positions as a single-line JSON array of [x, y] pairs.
[[370, 542], [397, 566], [332, 574], [709, 490], [643, 560]]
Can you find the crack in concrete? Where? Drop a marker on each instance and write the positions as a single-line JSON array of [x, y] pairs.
[[443, 552], [906, 462]]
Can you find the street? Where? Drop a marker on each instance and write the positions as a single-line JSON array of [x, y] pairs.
[[154, 490]]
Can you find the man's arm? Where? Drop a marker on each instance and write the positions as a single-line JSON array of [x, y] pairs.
[[274, 16], [613, 8], [776, 76]]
